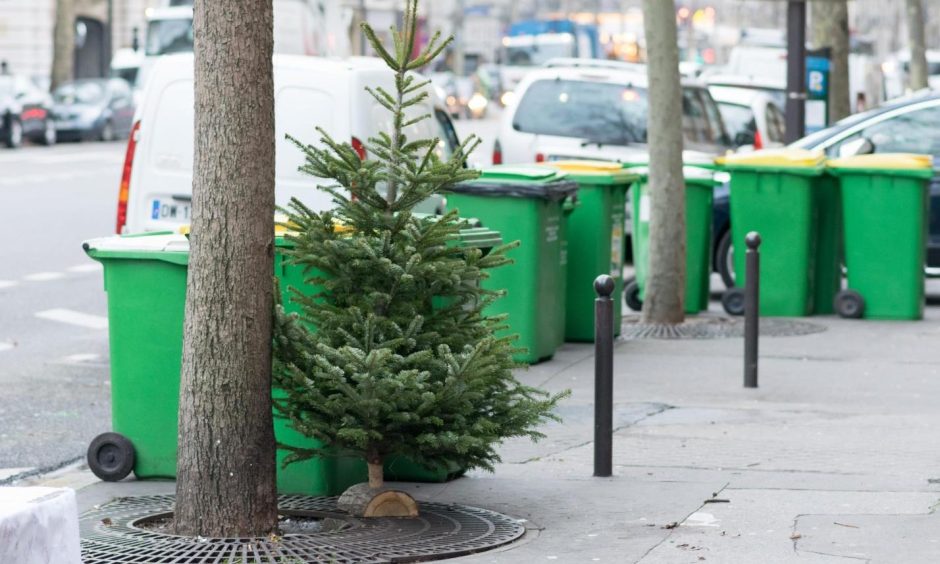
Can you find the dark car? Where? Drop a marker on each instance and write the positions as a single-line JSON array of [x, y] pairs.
[[98, 108], [25, 112], [906, 125]]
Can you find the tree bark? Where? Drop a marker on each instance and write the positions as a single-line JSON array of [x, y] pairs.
[[915, 29], [226, 468], [830, 22], [63, 43], [664, 302]]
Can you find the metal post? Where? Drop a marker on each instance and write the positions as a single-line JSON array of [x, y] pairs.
[[796, 70], [363, 17], [751, 308], [603, 376]]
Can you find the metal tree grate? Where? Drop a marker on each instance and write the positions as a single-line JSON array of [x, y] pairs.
[[707, 327], [110, 535]]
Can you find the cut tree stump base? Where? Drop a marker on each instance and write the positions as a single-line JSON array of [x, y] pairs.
[[362, 501]]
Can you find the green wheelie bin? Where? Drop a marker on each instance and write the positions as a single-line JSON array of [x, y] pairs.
[[786, 196], [145, 279], [699, 194], [528, 204], [885, 205], [595, 240]]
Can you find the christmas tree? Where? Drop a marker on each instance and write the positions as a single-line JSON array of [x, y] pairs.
[[402, 361]]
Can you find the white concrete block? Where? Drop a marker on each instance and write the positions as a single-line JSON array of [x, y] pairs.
[[39, 526]]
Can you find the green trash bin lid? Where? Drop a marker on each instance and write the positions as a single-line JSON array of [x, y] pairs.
[[602, 173], [534, 182], [894, 164], [793, 161]]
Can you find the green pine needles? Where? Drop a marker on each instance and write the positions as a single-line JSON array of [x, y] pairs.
[[402, 361]]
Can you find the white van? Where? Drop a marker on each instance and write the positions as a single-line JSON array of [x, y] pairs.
[[310, 92]]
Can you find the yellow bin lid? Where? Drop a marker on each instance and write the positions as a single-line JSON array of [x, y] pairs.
[[893, 161], [594, 172], [776, 159]]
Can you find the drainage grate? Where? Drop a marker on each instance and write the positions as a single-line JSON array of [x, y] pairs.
[[707, 327], [110, 535]]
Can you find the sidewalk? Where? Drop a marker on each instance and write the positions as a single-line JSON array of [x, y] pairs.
[[834, 458]]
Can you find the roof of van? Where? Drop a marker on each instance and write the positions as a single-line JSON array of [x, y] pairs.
[[303, 62]]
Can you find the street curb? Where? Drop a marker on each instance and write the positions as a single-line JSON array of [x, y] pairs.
[[73, 473]]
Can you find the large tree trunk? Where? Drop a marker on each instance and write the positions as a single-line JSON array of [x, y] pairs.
[[915, 28], [830, 20], [63, 43], [226, 469], [665, 286]]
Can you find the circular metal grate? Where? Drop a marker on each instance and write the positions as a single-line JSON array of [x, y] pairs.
[[707, 327], [110, 535]]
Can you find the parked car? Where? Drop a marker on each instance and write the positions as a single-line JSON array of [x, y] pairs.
[[905, 125], [592, 109], [310, 92], [94, 108], [751, 117], [25, 112]]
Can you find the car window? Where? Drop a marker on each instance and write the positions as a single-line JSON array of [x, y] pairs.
[[448, 135], [170, 36], [776, 123], [715, 123], [694, 121], [79, 93], [740, 123], [596, 111], [913, 132]]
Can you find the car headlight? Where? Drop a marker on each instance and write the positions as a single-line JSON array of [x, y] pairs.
[[477, 102], [507, 98]]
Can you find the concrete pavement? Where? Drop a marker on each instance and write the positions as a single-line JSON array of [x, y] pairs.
[[833, 459]]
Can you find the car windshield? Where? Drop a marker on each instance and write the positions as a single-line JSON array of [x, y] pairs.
[[6, 86], [170, 36], [738, 119], [813, 140], [598, 112], [80, 93]]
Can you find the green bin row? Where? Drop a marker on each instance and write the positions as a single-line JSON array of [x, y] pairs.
[[145, 280], [569, 219], [871, 209]]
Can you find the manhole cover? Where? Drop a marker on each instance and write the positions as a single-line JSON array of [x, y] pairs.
[[111, 534], [708, 327]]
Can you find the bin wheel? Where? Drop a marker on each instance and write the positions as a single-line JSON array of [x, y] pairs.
[[631, 295], [111, 456], [733, 301], [850, 304]]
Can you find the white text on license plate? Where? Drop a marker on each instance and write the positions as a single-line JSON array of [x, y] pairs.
[[169, 211]]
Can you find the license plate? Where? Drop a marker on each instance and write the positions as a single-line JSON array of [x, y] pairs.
[[162, 210]]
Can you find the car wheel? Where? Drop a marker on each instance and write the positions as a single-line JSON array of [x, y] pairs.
[[107, 131], [111, 457], [631, 295], [14, 134], [724, 259], [49, 136]]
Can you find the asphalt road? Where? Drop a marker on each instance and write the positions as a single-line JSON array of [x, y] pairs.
[[54, 378]]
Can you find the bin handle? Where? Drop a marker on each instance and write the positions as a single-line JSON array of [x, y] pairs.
[[570, 204]]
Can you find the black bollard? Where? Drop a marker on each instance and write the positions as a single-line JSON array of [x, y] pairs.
[[603, 376], [751, 308]]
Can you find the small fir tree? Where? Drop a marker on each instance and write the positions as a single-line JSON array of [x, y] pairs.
[[403, 361]]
